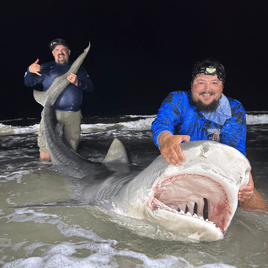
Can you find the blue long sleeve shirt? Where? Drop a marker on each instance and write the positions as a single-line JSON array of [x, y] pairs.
[[178, 115], [71, 98]]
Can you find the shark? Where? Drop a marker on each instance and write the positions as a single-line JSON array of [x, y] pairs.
[[196, 200]]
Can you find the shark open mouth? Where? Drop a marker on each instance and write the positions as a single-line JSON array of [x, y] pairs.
[[192, 195]]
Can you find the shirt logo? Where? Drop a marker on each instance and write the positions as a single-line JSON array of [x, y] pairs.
[[214, 134]]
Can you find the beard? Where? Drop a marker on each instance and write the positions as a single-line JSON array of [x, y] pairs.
[[201, 107], [62, 62], [207, 108]]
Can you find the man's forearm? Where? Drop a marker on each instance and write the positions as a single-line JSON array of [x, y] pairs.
[[162, 137]]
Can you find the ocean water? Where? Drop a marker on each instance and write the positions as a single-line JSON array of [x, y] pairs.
[[82, 236]]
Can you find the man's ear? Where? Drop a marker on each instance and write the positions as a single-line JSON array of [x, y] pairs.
[[69, 52]]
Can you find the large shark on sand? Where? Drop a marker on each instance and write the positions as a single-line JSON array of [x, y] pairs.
[[196, 200]]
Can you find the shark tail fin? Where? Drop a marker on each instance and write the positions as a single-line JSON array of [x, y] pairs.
[[39, 96], [116, 153]]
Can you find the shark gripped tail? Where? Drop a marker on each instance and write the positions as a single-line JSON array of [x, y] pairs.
[[60, 82]]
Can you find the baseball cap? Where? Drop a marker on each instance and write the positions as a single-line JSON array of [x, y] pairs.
[[56, 42]]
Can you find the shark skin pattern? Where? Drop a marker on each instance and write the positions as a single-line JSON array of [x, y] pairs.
[[197, 199]]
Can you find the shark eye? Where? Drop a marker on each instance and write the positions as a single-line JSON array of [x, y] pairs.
[[247, 173]]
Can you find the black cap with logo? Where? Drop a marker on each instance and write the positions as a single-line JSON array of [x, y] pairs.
[[56, 42], [209, 67]]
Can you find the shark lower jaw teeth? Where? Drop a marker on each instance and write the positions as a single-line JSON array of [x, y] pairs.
[[172, 194], [156, 204]]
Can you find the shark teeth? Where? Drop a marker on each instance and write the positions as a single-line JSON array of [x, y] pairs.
[[161, 205]]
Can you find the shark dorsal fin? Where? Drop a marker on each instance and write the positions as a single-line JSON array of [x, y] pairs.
[[116, 153]]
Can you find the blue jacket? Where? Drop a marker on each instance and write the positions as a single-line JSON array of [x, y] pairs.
[[178, 114], [71, 98]]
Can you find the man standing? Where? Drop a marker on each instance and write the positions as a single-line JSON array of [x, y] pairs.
[[204, 113], [68, 104]]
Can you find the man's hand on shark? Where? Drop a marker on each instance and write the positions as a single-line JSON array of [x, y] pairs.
[[35, 68], [246, 192], [170, 147], [73, 79]]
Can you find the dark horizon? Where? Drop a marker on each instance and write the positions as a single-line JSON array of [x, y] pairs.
[[140, 51]]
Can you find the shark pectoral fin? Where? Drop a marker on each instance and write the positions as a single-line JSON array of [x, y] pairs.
[[39, 96]]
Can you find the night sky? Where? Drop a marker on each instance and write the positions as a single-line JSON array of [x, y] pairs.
[[140, 50]]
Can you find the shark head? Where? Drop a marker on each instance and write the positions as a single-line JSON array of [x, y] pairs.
[[197, 199]]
